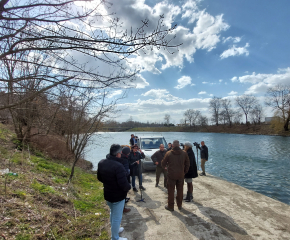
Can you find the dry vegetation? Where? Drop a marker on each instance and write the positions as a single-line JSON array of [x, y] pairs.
[[38, 203]]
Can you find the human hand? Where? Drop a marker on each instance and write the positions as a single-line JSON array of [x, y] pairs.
[[156, 163], [137, 162]]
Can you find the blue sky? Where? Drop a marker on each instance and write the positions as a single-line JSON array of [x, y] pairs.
[[230, 48]]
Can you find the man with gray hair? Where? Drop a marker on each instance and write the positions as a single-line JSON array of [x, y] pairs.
[[112, 173], [177, 163]]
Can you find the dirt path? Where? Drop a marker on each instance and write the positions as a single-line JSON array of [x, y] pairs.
[[220, 210]]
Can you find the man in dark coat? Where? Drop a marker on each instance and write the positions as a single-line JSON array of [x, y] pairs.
[[112, 174], [203, 157], [177, 163], [125, 159], [135, 166], [132, 140], [192, 171], [157, 158]]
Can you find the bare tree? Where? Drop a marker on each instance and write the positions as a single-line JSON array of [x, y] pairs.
[[278, 98], [191, 115], [256, 114], [59, 32], [227, 112], [214, 108], [167, 119], [246, 103], [202, 120]]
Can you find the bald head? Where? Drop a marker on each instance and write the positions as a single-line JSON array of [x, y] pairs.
[[175, 143]]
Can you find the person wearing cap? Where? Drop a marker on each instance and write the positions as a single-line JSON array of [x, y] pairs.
[[177, 163], [112, 173], [125, 158], [169, 147], [157, 158], [135, 166], [192, 171]]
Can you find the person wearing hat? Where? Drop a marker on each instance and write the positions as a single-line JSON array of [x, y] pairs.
[[112, 173], [124, 157], [192, 171]]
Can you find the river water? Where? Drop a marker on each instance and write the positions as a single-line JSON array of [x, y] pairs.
[[257, 162]]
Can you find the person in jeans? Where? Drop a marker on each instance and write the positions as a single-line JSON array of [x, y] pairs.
[[135, 166], [111, 172], [157, 158], [203, 157], [177, 163]]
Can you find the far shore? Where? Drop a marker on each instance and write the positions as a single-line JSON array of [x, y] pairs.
[[262, 129]]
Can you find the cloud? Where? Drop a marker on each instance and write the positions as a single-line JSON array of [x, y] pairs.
[[261, 82], [202, 92], [220, 80], [233, 39], [235, 51], [115, 93], [183, 81], [234, 79], [232, 93]]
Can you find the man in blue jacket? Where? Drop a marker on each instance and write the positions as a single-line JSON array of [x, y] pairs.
[[112, 174]]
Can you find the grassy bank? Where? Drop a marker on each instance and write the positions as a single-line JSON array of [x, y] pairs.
[[37, 203]]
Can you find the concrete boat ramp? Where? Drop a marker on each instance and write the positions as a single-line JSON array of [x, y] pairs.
[[220, 210]]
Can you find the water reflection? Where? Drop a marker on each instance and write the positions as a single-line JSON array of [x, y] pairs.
[[257, 162]]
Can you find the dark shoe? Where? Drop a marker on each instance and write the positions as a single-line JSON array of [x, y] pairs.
[[187, 197], [135, 189], [156, 185], [202, 174], [126, 210], [190, 197], [179, 208], [142, 188], [127, 199], [169, 209]]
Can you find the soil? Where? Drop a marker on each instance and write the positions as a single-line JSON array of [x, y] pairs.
[[219, 210]]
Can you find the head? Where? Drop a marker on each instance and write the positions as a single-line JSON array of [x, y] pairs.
[[175, 143], [169, 145], [161, 147], [135, 148], [202, 143], [126, 151], [132, 135], [187, 145], [116, 150]]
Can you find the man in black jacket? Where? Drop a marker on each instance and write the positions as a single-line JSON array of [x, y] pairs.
[[136, 166], [203, 157], [112, 174], [157, 158]]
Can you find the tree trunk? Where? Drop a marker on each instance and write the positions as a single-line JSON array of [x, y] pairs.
[[286, 128]]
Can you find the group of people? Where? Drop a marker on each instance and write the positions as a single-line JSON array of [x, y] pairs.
[[177, 165]]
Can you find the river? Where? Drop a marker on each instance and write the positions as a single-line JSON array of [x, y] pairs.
[[257, 162]]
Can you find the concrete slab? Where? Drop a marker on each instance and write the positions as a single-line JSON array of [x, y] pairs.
[[220, 210]]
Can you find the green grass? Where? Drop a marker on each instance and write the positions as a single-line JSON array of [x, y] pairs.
[[41, 187]]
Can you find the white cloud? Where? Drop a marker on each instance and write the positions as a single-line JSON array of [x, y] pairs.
[[235, 51], [232, 93], [115, 93], [220, 80], [261, 82], [202, 92], [183, 81], [234, 79], [233, 39]]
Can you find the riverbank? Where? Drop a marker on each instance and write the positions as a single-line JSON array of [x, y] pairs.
[[220, 210], [263, 129], [37, 203]]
